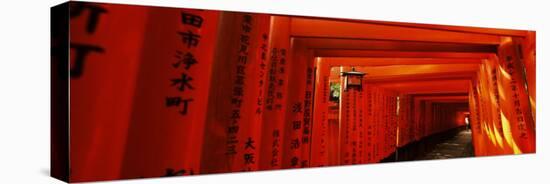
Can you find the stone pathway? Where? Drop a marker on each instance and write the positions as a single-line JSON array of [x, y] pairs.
[[458, 146]]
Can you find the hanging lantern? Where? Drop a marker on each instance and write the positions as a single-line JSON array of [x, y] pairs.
[[353, 79]]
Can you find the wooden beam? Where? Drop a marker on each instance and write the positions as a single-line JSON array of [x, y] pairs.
[[443, 98], [422, 77], [439, 94], [357, 61], [385, 45], [463, 29], [428, 87], [447, 101], [398, 54], [312, 27]]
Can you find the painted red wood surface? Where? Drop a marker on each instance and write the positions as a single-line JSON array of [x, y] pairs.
[[233, 124], [273, 126], [169, 108], [320, 142], [103, 73]]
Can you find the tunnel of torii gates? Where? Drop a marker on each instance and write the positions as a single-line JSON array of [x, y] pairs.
[[272, 107]]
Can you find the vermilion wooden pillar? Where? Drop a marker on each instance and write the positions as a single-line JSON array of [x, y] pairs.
[[105, 42], [528, 51], [298, 109], [232, 138], [475, 120], [405, 123], [352, 117], [319, 147], [279, 59], [520, 129], [170, 100], [493, 78], [369, 124], [487, 110]]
